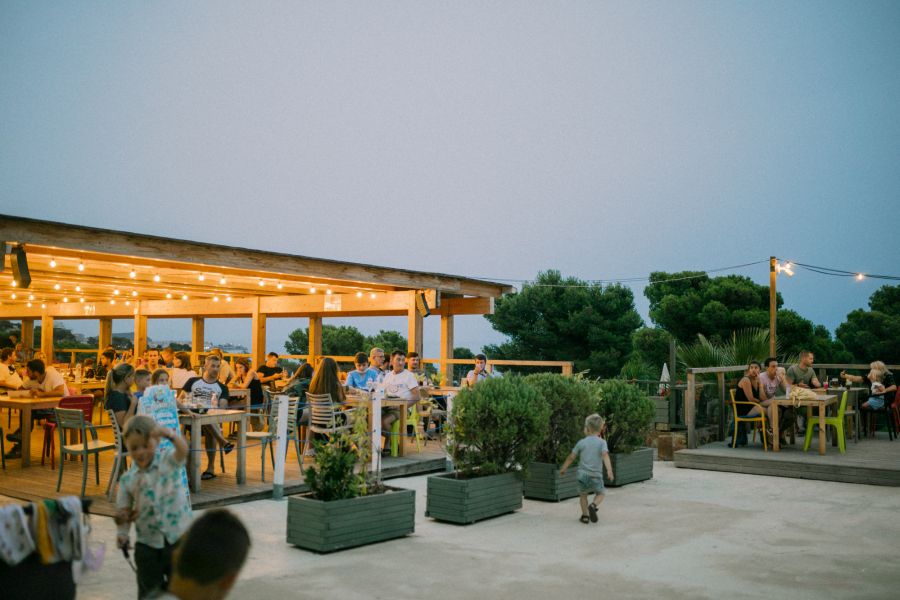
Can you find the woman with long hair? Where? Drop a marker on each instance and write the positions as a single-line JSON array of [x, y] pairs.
[[119, 396], [181, 370], [326, 380]]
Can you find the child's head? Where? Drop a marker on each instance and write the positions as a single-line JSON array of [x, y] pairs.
[[88, 362], [142, 379], [361, 361], [593, 424], [160, 377], [138, 442]]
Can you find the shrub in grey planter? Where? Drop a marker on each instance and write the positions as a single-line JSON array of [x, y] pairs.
[[629, 418], [631, 467]]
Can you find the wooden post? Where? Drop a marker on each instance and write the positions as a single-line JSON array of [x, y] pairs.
[[689, 410], [47, 338], [315, 338], [27, 337], [258, 336], [773, 308], [720, 378], [104, 337], [140, 332], [414, 326], [446, 350], [567, 368], [197, 338]]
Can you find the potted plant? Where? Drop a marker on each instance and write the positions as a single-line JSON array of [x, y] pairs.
[[346, 505], [629, 416], [570, 400], [495, 428]]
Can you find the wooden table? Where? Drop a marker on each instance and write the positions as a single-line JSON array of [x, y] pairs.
[[216, 416], [26, 405], [403, 405], [242, 394], [86, 385], [821, 400]]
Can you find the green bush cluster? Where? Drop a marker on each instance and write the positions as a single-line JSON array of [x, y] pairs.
[[628, 414], [334, 474], [570, 399]]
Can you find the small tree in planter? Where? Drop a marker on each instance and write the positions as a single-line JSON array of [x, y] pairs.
[[347, 506], [570, 400], [629, 417], [495, 429]]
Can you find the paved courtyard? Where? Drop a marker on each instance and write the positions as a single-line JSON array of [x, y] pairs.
[[685, 534]]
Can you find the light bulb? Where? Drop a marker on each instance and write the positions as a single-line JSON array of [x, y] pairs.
[[860, 277], [201, 277], [184, 296], [28, 305], [128, 303], [81, 266], [215, 298], [115, 292], [132, 274], [169, 296], [31, 296], [372, 295], [52, 263], [15, 283], [43, 305], [156, 278], [112, 301], [327, 292], [65, 299], [134, 293], [222, 281], [13, 296], [81, 300], [55, 286], [77, 288], [280, 285], [312, 290], [359, 294], [227, 298], [261, 283]]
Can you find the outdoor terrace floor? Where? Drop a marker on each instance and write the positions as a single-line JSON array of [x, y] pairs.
[[871, 461]]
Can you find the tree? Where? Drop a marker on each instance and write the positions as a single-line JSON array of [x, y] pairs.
[[650, 349], [387, 341], [874, 334], [567, 319], [690, 302], [795, 334], [336, 341]]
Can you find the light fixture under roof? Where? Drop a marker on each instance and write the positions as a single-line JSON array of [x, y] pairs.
[[112, 301], [56, 286], [156, 278], [77, 288], [222, 281], [81, 299], [327, 292], [359, 294], [52, 263], [169, 296], [134, 292], [280, 285], [31, 296], [201, 277], [128, 303], [13, 295], [372, 295], [81, 266], [15, 283], [184, 296], [227, 298], [261, 283], [28, 305], [65, 299], [215, 298], [43, 305], [133, 274], [116, 292], [312, 290]]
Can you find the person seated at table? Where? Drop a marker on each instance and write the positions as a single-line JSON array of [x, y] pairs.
[[153, 359], [771, 384], [107, 358], [206, 390], [182, 370], [246, 378], [43, 382], [398, 383], [802, 374], [325, 380], [159, 377], [359, 377], [480, 372], [167, 356], [119, 397], [881, 384], [414, 364], [376, 363], [88, 371], [298, 384], [748, 390], [270, 371], [141, 382], [9, 377], [226, 374]]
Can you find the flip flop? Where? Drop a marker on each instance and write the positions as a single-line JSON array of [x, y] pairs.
[[207, 475], [228, 448], [585, 519], [593, 510]]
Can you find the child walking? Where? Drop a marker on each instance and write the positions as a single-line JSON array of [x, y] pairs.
[[152, 495], [592, 453]]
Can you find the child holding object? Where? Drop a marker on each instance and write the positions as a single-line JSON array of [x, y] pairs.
[[153, 497], [592, 453]]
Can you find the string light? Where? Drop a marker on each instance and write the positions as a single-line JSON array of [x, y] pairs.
[[116, 292], [43, 305], [201, 277], [81, 266], [860, 277], [327, 292], [280, 285], [81, 299], [156, 278], [56, 286], [134, 293], [13, 295], [227, 298], [52, 263], [184, 296], [169, 296], [65, 299], [133, 274], [372, 295], [77, 288], [128, 303], [261, 283], [15, 283], [312, 290], [222, 281], [359, 294], [31, 296], [215, 298], [28, 305], [112, 301]]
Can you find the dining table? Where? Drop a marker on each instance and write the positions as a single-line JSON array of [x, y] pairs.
[[821, 401], [85, 385], [362, 397], [215, 416], [26, 406]]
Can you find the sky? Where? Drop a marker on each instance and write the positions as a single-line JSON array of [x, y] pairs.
[[487, 139]]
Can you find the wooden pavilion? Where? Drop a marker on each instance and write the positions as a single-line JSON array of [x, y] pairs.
[[90, 273]]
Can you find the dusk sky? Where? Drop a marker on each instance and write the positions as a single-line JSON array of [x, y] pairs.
[[486, 139]]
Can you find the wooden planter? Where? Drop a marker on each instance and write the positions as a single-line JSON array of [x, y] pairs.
[[545, 483], [469, 500], [327, 526], [630, 468]]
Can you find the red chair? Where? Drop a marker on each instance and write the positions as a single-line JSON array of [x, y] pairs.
[[84, 403]]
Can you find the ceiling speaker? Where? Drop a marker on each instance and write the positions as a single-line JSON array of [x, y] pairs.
[[20, 267]]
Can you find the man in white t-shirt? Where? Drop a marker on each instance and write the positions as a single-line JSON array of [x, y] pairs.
[[9, 378], [43, 382], [398, 383]]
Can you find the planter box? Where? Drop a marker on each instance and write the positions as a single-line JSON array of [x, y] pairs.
[[661, 404], [544, 482], [327, 526], [630, 468], [469, 500]]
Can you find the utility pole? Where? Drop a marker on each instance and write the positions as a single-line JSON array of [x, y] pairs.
[[773, 308]]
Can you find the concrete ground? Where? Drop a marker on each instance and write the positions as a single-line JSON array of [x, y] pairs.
[[684, 534]]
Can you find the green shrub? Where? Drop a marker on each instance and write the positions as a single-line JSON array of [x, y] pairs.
[[497, 426], [570, 400], [333, 475], [628, 413]]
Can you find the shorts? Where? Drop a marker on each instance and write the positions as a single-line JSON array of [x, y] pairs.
[[588, 484], [876, 402]]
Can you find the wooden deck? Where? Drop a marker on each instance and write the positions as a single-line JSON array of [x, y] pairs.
[[871, 461], [38, 482]]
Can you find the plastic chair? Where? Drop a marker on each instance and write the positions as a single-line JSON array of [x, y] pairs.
[[84, 403], [760, 419], [414, 418], [74, 420], [837, 421], [325, 417], [121, 455], [268, 437]]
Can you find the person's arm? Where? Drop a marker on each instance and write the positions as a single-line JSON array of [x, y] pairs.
[[815, 382], [744, 384], [609, 469], [181, 447], [273, 376], [125, 515], [244, 382], [59, 390], [565, 465]]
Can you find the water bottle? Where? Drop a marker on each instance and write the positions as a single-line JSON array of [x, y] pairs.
[[78, 372], [214, 400]]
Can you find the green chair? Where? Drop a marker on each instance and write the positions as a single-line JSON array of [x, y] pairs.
[[836, 421], [413, 418]]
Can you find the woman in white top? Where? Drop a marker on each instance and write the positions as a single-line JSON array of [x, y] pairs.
[[181, 370]]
